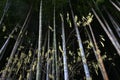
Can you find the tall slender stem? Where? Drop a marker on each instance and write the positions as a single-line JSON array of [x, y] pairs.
[[55, 45], [38, 73], [48, 56], [114, 5], [107, 32], [98, 57], [6, 43], [64, 51], [87, 74], [5, 11], [20, 36], [114, 23]]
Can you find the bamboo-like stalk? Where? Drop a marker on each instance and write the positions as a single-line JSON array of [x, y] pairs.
[[107, 25], [31, 72], [55, 72], [90, 40], [53, 66], [94, 49], [43, 57], [53, 62], [32, 64], [48, 56], [13, 65], [98, 56], [6, 43], [7, 5], [114, 5], [114, 23], [87, 74], [38, 72], [64, 51], [106, 31], [2, 50], [20, 36]]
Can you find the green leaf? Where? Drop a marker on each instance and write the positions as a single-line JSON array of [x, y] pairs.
[[68, 20], [5, 37], [102, 43], [4, 28], [51, 76], [30, 53], [51, 28], [76, 18], [11, 36]]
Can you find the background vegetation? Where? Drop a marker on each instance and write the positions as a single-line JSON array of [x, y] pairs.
[[60, 39]]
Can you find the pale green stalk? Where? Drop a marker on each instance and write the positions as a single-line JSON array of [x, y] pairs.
[[38, 72], [87, 74], [55, 61], [107, 32], [64, 51], [114, 23], [20, 36], [6, 43], [98, 56], [5, 11], [48, 57], [114, 5]]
